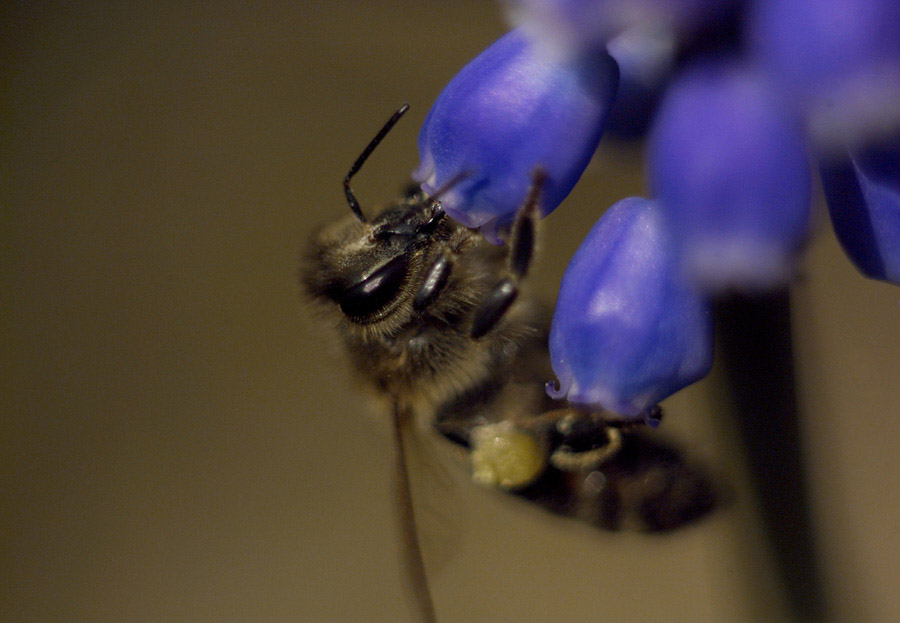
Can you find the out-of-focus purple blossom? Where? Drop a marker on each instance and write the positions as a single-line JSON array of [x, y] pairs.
[[728, 162], [563, 28], [646, 60], [729, 166], [506, 113], [863, 193], [628, 331], [838, 60]]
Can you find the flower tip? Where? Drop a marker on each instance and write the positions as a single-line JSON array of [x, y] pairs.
[[557, 389], [425, 174], [715, 266], [652, 417], [491, 230]]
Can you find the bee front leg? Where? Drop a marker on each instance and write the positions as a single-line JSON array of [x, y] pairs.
[[585, 442], [434, 281], [521, 252]]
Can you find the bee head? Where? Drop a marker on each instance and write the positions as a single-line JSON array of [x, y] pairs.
[[365, 267]]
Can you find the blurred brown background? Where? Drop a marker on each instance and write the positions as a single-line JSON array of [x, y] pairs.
[[179, 442]]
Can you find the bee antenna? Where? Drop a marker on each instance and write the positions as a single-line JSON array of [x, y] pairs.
[[351, 198]]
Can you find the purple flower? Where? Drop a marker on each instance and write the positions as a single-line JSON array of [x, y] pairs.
[[627, 330], [838, 60], [863, 193], [505, 113], [728, 162], [730, 168], [563, 28]]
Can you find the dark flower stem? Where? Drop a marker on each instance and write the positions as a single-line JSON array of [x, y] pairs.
[[757, 358]]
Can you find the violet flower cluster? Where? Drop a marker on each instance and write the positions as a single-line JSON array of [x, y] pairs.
[[742, 102]]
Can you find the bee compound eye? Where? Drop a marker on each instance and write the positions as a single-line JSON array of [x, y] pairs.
[[376, 291]]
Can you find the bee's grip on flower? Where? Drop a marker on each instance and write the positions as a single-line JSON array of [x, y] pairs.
[[519, 255], [508, 111]]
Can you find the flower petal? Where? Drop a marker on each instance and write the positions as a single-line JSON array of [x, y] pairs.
[[730, 167], [863, 193], [839, 60], [627, 330], [506, 113]]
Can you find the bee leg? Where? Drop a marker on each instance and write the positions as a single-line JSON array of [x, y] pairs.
[[505, 455], [513, 455], [439, 273], [494, 307], [521, 252], [434, 282], [524, 229], [583, 441], [565, 459]]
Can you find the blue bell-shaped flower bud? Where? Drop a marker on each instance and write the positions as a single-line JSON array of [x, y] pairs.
[[838, 61], [628, 331], [863, 194], [728, 163], [505, 113]]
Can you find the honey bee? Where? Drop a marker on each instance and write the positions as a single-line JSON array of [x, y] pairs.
[[440, 325]]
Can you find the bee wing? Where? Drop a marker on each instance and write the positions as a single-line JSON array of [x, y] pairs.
[[440, 514], [648, 485]]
